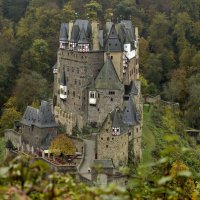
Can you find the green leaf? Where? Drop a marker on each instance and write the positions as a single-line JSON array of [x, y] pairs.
[[185, 173], [4, 172], [164, 180]]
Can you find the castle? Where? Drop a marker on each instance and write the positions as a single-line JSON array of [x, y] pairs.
[[96, 83]]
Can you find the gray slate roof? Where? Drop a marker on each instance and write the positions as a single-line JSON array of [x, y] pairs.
[[112, 41], [75, 33], [131, 89], [130, 115], [83, 24], [63, 81], [83, 37], [108, 78], [64, 32], [42, 117], [117, 121], [55, 66], [104, 163]]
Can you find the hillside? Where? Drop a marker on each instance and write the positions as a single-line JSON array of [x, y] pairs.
[[164, 135]]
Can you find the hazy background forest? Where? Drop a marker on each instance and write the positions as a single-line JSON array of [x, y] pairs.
[[169, 49]]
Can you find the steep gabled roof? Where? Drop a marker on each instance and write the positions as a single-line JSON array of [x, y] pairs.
[[63, 81], [42, 117], [85, 24], [130, 114], [117, 122], [108, 78], [129, 29], [83, 37], [64, 32], [112, 41], [75, 33], [131, 89]]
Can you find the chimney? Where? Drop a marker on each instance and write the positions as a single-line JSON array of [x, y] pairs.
[[70, 30], [95, 35]]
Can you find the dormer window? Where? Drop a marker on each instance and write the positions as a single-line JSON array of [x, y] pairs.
[[63, 45], [115, 131], [83, 47], [72, 45], [92, 98]]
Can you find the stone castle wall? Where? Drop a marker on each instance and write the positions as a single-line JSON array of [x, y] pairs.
[[115, 147], [34, 136], [107, 100]]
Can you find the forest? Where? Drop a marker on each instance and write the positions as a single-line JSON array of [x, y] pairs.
[[169, 49]]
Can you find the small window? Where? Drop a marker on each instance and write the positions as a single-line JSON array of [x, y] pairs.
[[111, 99], [108, 138], [111, 92], [115, 44], [73, 93], [98, 95], [101, 138], [92, 94], [75, 81], [111, 57], [106, 146]]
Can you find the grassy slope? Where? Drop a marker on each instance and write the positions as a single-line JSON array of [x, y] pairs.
[[2, 150], [153, 140], [148, 137]]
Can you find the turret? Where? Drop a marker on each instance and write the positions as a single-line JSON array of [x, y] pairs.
[[63, 86], [63, 35], [116, 123], [83, 44]]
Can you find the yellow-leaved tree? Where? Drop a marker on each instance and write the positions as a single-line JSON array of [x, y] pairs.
[[62, 144]]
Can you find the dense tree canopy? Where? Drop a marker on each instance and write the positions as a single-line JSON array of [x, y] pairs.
[[169, 43]]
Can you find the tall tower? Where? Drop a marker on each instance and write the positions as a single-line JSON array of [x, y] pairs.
[[96, 71]]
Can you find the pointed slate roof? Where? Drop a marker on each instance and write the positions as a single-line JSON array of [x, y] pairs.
[[83, 24], [64, 32], [130, 114], [83, 37], [131, 89], [63, 81], [129, 28], [42, 117], [116, 117], [112, 41], [108, 78], [55, 66], [75, 33]]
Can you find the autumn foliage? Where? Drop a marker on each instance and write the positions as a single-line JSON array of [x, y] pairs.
[[62, 144]]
